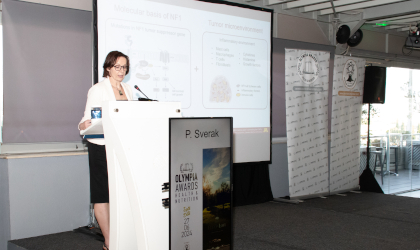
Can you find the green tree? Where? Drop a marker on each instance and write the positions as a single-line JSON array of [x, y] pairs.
[[373, 112]]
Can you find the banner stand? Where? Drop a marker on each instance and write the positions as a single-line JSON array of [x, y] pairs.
[[346, 106], [200, 174], [309, 196], [346, 190], [307, 91]]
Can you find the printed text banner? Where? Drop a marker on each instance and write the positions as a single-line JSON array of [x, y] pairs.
[[347, 101], [200, 183], [306, 80]]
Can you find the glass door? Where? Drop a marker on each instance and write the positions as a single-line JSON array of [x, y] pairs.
[[395, 132]]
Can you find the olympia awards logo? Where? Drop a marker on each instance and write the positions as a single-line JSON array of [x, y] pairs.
[[350, 74], [308, 68], [186, 167]]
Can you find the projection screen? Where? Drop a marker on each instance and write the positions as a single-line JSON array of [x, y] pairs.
[[212, 56]]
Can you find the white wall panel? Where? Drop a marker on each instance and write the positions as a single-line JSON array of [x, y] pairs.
[[72, 4]]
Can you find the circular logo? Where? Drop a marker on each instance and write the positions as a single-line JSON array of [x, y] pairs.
[[308, 68], [350, 74]]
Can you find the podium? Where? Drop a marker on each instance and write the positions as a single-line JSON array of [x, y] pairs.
[[137, 149]]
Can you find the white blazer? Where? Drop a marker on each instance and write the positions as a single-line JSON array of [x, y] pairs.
[[102, 91]]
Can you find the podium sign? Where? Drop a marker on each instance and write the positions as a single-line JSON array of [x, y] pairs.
[[200, 183]]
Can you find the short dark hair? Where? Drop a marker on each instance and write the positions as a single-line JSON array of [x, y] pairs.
[[111, 59]]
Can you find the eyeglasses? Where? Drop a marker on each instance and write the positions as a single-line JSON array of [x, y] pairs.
[[119, 67]]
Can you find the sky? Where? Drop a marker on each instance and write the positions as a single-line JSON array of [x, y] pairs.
[[396, 107], [216, 166]]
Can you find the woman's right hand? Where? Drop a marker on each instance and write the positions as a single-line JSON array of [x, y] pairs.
[[84, 125]]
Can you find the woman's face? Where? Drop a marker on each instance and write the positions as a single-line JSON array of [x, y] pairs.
[[118, 75]]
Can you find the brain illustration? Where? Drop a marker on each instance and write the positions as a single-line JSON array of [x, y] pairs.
[[220, 90]]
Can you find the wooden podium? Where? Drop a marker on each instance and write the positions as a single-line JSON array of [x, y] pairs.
[[137, 149]]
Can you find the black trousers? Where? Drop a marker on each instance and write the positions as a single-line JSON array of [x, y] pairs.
[[98, 168]]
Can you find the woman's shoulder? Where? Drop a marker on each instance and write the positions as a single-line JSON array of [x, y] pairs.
[[98, 86], [101, 84], [97, 89]]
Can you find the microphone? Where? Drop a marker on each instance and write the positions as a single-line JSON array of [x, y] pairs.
[[143, 99]]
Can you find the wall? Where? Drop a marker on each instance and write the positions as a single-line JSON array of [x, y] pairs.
[[72, 4], [4, 205], [43, 195], [300, 29], [386, 50], [374, 41], [391, 44], [47, 74], [279, 172]]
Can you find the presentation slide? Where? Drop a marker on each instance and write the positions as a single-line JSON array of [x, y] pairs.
[[214, 58]]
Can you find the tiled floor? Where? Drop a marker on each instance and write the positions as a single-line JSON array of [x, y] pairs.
[[405, 182], [414, 194]]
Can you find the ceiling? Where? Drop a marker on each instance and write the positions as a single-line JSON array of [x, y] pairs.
[[389, 16]]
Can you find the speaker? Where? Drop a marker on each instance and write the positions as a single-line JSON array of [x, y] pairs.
[[413, 41], [374, 86], [343, 34], [355, 39]]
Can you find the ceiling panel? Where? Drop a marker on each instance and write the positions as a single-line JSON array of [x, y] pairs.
[[396, 15]]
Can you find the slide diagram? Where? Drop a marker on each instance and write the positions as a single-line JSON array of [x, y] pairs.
[[220, 90], [236, 72], [160, 58]]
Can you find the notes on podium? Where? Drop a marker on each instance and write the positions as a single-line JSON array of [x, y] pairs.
[[94, 131]]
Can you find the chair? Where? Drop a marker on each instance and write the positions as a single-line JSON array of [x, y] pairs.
[[396, 149], [378, 154]]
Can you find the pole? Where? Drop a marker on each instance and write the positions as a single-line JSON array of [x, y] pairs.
[[368, 139]]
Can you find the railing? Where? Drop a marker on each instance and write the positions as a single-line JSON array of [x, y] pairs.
[[403, 148], [382, 143]]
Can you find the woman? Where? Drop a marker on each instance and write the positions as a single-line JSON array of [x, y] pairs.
[[116, 67]]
